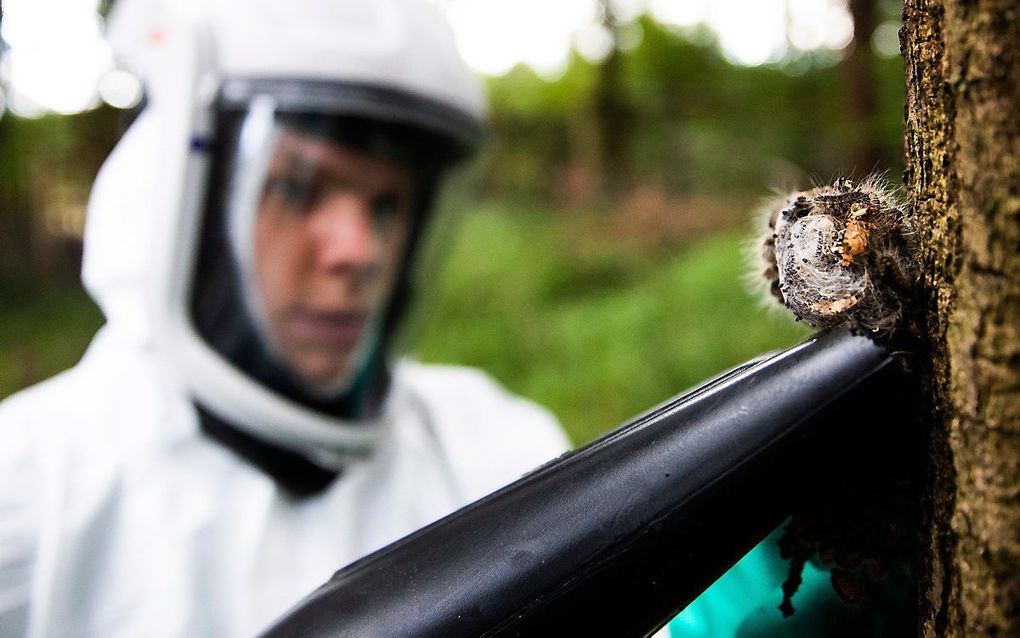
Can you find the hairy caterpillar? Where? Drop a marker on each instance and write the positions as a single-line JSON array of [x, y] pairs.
[[842, 252]]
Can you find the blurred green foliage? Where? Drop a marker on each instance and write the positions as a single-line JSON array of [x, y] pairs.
[[587, 325], [44, 328], [693, 121], [46, 168]]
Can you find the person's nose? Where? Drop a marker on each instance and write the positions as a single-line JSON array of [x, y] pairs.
[[345, 234]]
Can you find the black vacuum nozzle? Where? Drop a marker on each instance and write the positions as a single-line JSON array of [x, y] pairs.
[[617, 537]]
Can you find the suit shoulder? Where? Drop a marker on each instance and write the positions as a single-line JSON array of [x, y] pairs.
[[490, 434]]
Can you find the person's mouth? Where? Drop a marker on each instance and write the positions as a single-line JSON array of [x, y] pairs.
[[327, 328]]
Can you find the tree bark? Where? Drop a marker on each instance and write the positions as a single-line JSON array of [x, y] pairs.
[[963, 180]]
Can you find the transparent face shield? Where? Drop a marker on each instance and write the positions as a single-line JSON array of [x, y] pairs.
[[310, 222]]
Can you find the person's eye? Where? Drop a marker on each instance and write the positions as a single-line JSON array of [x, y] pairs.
[[386, 209], [292, 193]]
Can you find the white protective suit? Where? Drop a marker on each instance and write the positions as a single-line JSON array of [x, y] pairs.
[[119, 517]]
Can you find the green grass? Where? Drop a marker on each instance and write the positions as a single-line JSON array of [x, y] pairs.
[[557, 307]]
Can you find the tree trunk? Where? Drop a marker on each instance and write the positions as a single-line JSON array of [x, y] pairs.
[[861, 101], [963, 179], [613, 115]]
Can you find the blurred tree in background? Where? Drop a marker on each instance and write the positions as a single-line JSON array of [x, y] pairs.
[[600, 269], [668, 111]]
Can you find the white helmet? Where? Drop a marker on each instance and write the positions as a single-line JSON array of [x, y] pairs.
[[223, 79]]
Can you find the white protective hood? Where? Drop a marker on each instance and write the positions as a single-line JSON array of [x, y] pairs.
[[144, 213]]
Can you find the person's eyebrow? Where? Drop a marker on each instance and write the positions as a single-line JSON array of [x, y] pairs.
[[294, 161]]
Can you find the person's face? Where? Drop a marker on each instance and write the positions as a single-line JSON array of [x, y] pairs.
[[329, 235]]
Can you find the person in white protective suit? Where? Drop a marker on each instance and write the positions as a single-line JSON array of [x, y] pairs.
[[239, 429]]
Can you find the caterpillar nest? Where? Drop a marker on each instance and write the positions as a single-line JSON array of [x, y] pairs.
[[840, 253]]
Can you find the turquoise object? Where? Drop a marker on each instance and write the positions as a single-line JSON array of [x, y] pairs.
[[749, 593]]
